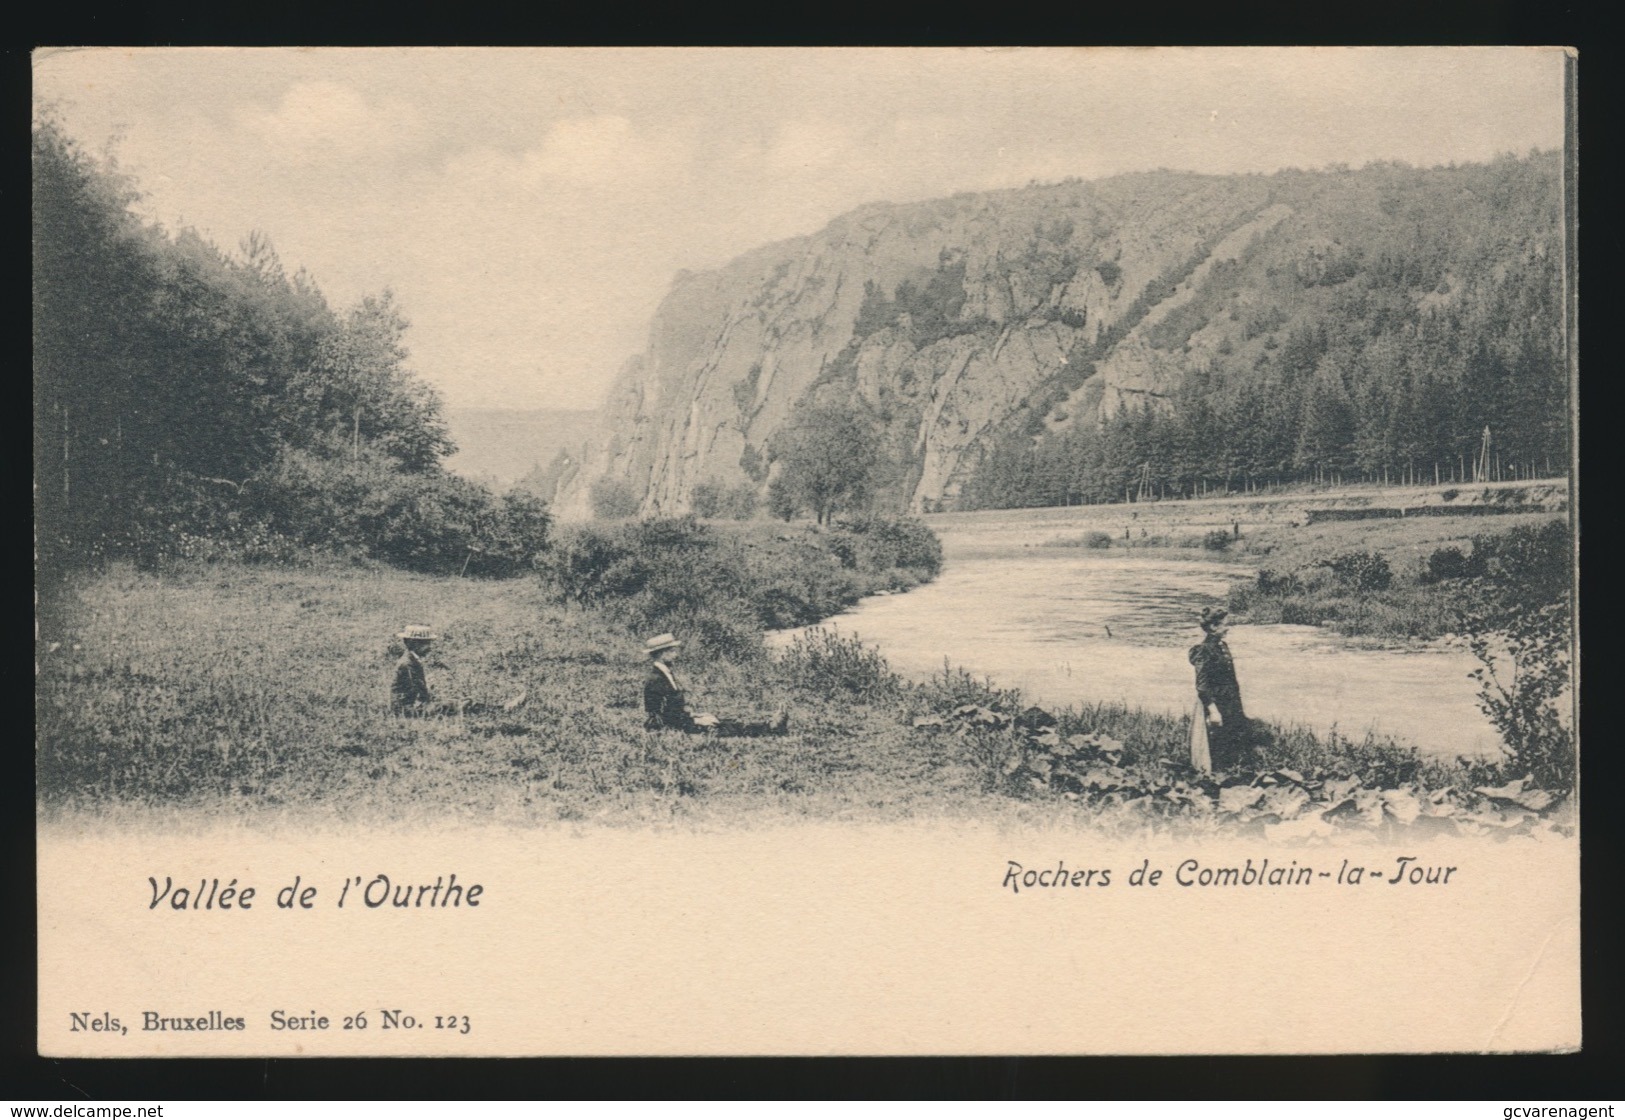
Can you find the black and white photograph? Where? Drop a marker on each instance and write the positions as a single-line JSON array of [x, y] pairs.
[[651, 551]]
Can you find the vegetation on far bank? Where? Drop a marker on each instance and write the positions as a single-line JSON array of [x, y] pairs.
[[1505, 591]]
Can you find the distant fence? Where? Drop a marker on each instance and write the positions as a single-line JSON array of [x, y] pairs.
[[1319, 515]]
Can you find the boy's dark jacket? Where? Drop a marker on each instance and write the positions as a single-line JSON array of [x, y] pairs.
[[663, 703]]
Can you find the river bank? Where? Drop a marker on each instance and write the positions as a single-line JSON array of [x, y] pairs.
[[259, 696], [1098, 604]]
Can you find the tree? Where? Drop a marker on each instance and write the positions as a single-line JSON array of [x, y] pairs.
[[707, 498], [358, 390], [827, 459], [183, 395], [612, 498], [1519, 625]]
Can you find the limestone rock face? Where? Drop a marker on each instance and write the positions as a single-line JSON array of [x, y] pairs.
[[943, 320]]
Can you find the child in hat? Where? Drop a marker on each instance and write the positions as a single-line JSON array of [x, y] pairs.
[[409, 694], [664, 705]]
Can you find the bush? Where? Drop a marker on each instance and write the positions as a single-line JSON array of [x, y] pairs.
[[1216, 540], [1451, 563], [739, 502], [1519, 626], [883, 544], [612, 499], [706, 499], [1362, 571], [1533, 562], [426, 521], [723, 587], [828, 663], [1095, 538], [1271, 582]]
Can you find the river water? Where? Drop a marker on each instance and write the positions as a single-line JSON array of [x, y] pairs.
[[1070, 626]]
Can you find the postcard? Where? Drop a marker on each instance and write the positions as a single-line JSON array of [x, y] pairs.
[[805, 551]]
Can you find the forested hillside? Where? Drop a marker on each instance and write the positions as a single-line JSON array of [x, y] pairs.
[[191, 402], [1380, 328], [1162, 333]]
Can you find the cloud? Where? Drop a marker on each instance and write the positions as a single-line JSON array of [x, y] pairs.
[[316, 120], [581, 152], [807, 144]]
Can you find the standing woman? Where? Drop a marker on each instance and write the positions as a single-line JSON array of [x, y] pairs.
[[1229, 732]]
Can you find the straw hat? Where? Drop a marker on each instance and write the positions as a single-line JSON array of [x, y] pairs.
[[659, 642], [418, 634]]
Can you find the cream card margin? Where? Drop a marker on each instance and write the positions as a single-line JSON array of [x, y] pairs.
[[816, 939], [809, 939]]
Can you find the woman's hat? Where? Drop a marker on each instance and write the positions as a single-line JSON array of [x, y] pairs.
[[418, 634], [659, 642], [1212, 616]]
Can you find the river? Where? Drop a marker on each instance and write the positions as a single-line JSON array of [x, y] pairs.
[[1070, 626]]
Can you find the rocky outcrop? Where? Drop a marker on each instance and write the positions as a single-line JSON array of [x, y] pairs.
[[943, 320]]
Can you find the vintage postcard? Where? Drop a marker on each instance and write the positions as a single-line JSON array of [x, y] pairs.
[[801, 551]]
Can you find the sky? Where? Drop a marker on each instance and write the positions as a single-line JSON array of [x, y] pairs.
[[530, 208]]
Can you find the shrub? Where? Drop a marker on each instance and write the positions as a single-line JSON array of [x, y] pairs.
[[1095, 538], [724, 587], [881, 544], [427, 521], [828, 663], [1451, 563], [1519, 626], [1362, 571], [1271, 582], [611, 499], [706, 499], [511, 537], [1216, 540], [739, 502]]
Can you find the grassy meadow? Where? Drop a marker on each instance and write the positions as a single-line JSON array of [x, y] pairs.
[[260, 694]]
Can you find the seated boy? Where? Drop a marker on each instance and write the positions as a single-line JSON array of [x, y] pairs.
[[665, 707]]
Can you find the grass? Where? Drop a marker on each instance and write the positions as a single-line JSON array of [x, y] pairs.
[[1297, 586], [242, 689], [238, 692]]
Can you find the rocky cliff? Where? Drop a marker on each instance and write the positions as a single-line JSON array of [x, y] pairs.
[[953, 323]]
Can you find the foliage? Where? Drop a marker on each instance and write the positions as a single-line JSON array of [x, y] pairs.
[[1362, 571], [194, 403], [723, 587], [1451, 563], [422, 521], [827, 460], [1373, 334], [1520, 627], [706, 498], [887, 544], [711, 499], [825, 662], [612, 498], [1216, 540]]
